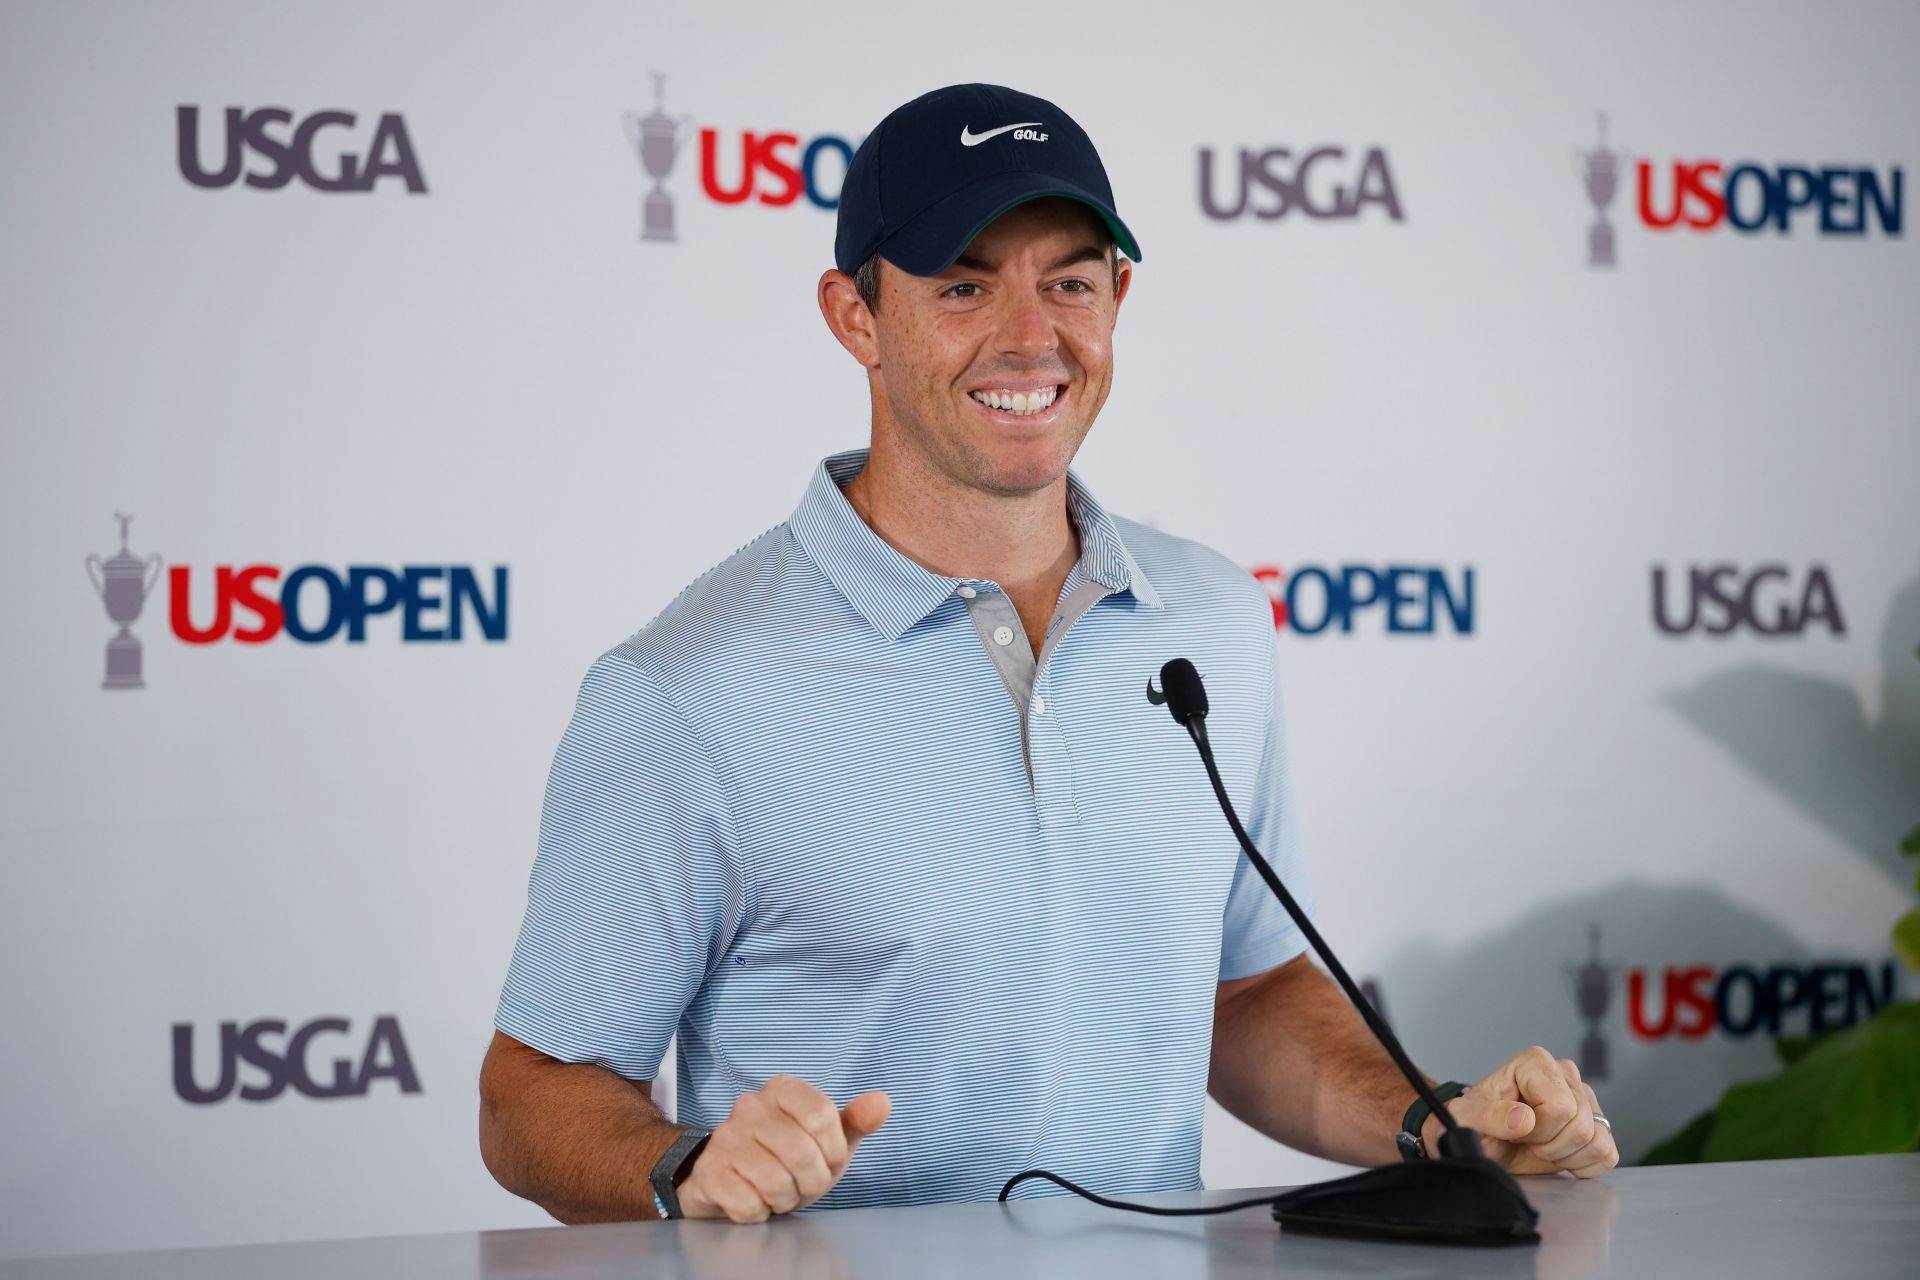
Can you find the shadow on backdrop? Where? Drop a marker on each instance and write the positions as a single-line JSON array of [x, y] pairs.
[[1809, 740], [1462, 1012]]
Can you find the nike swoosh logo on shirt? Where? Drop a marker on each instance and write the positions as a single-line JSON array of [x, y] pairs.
[[968, 138]]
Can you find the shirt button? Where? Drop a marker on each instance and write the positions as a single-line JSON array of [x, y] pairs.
[[1003, 635], [968, 593], [1039, 706]]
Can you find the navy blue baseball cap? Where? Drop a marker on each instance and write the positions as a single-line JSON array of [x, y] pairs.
[[936, 171]]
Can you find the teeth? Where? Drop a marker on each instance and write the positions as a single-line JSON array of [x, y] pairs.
[[1021, 402]]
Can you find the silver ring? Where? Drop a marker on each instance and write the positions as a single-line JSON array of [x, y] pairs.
[[1600, 1119]]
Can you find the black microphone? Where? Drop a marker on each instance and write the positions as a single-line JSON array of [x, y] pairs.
[[1185, 696], [1462, 1196]]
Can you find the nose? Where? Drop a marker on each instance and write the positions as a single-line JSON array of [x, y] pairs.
[[1026, 331]]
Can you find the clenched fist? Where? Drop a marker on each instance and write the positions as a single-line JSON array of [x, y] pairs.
[[1536, 1115], [780, 1149]]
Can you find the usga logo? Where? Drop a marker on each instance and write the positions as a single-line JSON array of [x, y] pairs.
[[1319, 182], [293, 150], [1768, 600], [280, 1059], [1407, 599]]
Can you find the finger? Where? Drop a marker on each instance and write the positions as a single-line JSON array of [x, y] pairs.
[[1597, 1159], [863, 1117], [814, 1112], [1544, 1086], [1501, 1118], [770, 1179], [1600, 1155], [796, 1149], [734, 1197], [1580, 1128]]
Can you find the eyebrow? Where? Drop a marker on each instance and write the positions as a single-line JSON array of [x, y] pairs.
[[1086, 253]]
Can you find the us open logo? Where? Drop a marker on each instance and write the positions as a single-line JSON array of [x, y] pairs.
[[774, 168], [309, 604]]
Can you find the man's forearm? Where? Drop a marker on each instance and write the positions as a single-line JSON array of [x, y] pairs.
[[576, 1139], [1292, 1058]]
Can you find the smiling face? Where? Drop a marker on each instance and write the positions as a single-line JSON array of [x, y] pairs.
[[991, 373]]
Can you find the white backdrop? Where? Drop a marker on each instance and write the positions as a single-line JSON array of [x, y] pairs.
[[497, 371]]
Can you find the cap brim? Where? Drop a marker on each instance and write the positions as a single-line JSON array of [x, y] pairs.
[[928, 244]]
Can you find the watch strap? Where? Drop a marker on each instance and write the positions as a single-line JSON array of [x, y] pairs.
[[1408, 1139], [673, 1169]]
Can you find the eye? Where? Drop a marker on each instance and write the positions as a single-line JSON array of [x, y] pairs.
[[965, 289], [1075, 285]]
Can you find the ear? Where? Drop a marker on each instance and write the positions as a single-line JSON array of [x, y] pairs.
[[849, 317], [1124, 282]]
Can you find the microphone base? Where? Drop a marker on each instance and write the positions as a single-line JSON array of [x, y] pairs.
[[1467, 1201]]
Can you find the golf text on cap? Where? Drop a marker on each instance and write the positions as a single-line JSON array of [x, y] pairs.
[[1024, 132]]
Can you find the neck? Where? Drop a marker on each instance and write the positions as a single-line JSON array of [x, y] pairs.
[[1026, 542]]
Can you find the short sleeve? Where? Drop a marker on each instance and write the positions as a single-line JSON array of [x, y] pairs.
[[634, 895], [1257, 933]]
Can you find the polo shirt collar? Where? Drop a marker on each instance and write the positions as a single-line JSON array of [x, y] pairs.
[[892, 592]]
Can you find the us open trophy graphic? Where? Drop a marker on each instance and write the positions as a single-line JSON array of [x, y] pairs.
[[1600, 169], [1592, 985], [124, 583], [658, 138]]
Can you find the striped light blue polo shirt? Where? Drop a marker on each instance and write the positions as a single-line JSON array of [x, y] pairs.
[[826, 815]]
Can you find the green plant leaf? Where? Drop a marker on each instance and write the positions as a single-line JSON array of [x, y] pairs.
[[1687, 1146], [1912, 842], [1856, 1092], [1790, 1049], [1906, 939]]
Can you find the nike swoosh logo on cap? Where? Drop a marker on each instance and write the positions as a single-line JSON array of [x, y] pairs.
[[968, 138]]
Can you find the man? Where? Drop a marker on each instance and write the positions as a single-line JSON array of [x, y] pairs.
[[875, 814]]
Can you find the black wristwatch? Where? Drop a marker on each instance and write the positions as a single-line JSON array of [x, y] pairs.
[[673, 1169], [1408, 1139]]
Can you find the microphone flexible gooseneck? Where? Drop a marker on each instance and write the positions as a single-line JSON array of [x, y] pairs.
[[1461, 1197], [1186, 699]]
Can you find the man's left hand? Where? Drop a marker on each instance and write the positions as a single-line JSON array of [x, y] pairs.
[[1535, 1115]]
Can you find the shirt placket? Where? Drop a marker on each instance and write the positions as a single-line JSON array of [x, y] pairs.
[[1029, 683]]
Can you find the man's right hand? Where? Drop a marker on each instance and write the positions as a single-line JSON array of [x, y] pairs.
[[780, 1149]]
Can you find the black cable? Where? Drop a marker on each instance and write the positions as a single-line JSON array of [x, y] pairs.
[[1156, 1210], [1198, 728]]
